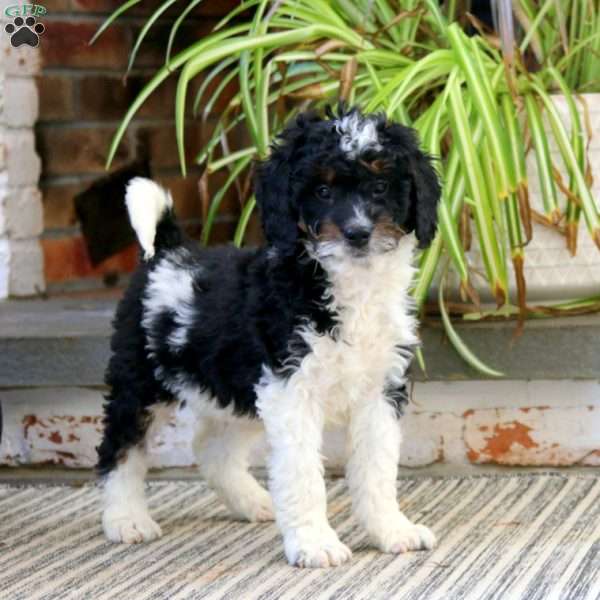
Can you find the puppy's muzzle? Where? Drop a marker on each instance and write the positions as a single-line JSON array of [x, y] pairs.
[[357, 236]]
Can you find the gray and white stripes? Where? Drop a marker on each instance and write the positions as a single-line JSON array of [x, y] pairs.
[[500, 537]]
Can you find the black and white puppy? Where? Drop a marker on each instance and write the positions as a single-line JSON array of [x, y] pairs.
[[315, 329]]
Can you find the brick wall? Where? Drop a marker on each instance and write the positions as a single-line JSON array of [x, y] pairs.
[[82, 98]]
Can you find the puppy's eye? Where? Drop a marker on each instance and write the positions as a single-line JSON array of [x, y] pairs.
[[380, 187], [323, 192]]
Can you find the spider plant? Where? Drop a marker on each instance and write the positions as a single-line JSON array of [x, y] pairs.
[[479, 103]]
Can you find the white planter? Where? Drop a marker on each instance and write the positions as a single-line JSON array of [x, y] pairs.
[[551, 272]]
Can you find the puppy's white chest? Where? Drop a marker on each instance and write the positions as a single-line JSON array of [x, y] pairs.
[[374, 323], [369, 349], [358, 363]]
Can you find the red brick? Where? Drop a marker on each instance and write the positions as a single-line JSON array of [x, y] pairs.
[[215, 8], [222, 232], [153, 49], [56, 97], [95, 6], [254, 233], [105, 97], [161, 103], [239, 137], [160, 143], [66, 44], [231, 203], [66, 259], [59, 207], [53, 6], [222, 102], [109, 96], [187, 199], [78, 150]]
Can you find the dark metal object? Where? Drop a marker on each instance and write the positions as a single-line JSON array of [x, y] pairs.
[[102, 212]]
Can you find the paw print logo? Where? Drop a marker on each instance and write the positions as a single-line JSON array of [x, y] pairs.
[[25, 31]]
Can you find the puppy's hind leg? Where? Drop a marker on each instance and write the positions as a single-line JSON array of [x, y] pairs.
[[222, 449], [122, 459]]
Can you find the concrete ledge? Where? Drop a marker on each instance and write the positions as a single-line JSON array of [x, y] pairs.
[[54, 343], [65, 343], [547, 412], [566, 348], [543, 423], [43, 319]]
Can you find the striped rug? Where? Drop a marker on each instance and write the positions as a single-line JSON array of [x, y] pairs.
[[501, 537]]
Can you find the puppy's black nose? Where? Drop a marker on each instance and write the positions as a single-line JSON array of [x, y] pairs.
[[357, 235]]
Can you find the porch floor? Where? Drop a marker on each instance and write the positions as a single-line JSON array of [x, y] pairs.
[[502, 534]]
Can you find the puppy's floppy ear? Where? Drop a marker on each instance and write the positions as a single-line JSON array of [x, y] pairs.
[[425, 190], [425, 195], [278, 210], [277, 185]]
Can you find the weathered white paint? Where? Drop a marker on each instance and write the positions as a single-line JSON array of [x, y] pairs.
[[21, 213], [21, 267], [21, 102], [21, 260], [533, 436], [460, 396], [23, 61], [510, 422]]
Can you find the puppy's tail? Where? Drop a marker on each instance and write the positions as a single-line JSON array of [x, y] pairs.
[[150, 209]]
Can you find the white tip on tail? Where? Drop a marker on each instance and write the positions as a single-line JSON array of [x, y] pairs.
[[146, 203]]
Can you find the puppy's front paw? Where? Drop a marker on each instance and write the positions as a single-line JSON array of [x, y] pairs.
[[316, 549], [128, 529], [254, 505], [406, 536]]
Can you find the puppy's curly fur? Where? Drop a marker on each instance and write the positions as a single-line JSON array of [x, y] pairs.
[[313, 329]]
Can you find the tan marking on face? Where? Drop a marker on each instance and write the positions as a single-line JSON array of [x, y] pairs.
[[386, 228], [386, 235], [376, 166], [327, 175], [329, 232]]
